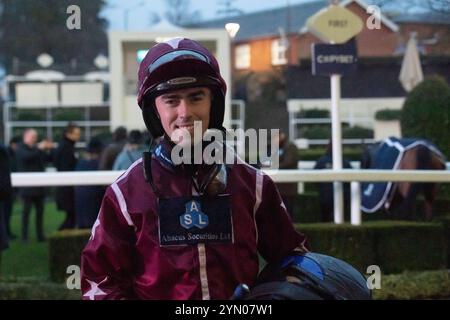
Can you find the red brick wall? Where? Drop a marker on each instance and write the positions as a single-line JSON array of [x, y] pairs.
[[370, 43], [376, 42]]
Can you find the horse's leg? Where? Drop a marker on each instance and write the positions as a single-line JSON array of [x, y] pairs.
[[429, 192], [408, 204], [430, 189], [398, 206]]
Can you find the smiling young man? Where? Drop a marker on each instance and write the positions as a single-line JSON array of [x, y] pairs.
[[189, 230], [180, 109]]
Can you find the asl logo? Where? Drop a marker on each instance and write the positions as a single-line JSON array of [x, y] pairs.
[[194, 217]]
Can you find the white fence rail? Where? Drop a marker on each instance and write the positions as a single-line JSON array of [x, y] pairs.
[[46, 179], [347, 175]]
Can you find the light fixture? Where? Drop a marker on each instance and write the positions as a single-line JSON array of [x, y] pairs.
[[45, 60], [101, 61], [232, 29]]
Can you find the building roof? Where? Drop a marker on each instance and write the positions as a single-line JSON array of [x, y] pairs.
[[432, 17], [265, 23], [373, 78]]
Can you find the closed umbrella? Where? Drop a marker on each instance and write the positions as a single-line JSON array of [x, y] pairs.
[[411, 71]]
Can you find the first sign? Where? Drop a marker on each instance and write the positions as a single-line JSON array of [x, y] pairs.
[[335, 24]]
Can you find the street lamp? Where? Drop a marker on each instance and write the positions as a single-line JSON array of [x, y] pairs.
[[44, 60], [127, 10], [232, 29]]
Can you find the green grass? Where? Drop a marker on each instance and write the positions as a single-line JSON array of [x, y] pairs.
[[29, 259]]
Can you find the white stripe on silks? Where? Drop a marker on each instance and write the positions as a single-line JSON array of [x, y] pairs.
[[258, 190], [122, 204], [134, 164], [258, 198], [203, 274], [202, 263]]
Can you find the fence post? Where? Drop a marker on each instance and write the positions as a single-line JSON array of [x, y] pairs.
[[356, 203]]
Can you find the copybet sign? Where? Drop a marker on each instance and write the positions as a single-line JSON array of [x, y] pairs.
[[334, 24]]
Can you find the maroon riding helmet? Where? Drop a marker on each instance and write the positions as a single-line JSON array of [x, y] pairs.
[[177, 64]]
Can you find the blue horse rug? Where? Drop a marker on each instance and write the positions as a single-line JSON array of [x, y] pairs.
[[387, 156]]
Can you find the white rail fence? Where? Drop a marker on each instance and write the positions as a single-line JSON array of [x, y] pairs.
[[355, 176]]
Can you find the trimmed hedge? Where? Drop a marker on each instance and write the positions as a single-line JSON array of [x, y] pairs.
[[308, 208], [64, 250], [414, 285], [319, 131], [353, 154], [35, 289], [314, 113], [357, 132], [426, 112], [394, 246], [405, 286], [388, 114]]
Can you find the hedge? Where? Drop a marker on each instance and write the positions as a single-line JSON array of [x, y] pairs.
[[308, 208], [407, 285], [426, 112], [394, 246], [388, 114], [414, 285], [314, 113], [353, 154], [357, 132], [64, 250], [35, 289], [324, 132]]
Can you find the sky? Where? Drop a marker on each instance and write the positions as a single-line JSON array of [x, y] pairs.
[[139, 11]]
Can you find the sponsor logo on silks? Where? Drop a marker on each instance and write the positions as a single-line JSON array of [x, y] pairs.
[[158, 150], [193, 216]]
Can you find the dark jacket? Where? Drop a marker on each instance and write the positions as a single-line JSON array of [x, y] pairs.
[[288, 160], [110, 154], [5, 174], [87, 198], [5, 192], [64, 160], [31, 159]]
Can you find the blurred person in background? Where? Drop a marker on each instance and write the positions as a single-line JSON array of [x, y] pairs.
[[88, 198], [64, 159], [288, 159], [110, 153], [32, 157], [131, 152], [5, 193], [9, 201]]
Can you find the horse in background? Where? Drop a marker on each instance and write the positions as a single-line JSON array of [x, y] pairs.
[[398, 198]]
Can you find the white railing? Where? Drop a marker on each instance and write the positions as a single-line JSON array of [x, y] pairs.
[[346, 175]]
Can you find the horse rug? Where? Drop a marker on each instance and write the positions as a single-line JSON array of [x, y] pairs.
[[388, 156]]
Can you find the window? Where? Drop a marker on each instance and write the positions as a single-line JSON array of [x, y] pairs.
[[279, 48], [242, 56]]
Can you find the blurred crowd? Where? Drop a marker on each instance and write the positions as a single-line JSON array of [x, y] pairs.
[[80, 204]]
